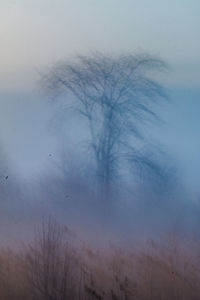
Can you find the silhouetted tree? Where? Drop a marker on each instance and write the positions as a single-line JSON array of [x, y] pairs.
[[116, 95], [156, 169]]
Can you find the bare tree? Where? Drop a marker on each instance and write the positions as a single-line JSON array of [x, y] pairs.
[[115, 94], [51, 264], [156, 168]]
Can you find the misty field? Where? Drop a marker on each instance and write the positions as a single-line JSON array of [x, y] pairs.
[[56, 265], [99, 150]]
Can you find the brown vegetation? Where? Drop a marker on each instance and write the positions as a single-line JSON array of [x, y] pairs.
[[52, 268]]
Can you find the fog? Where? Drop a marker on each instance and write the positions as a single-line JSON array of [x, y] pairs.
[[44, 171], [47, 165]]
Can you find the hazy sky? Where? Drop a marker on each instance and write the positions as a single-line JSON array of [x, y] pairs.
[[34, 34]]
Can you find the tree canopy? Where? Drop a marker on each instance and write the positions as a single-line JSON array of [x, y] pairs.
[[116, 94]]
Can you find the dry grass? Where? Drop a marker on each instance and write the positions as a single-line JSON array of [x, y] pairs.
[[13, 280], [51, 269]]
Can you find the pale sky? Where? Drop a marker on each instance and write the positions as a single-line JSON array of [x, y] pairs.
[[37, 33], [34, 34]]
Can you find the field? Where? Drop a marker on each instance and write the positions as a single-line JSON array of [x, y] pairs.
[[57, 266]]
